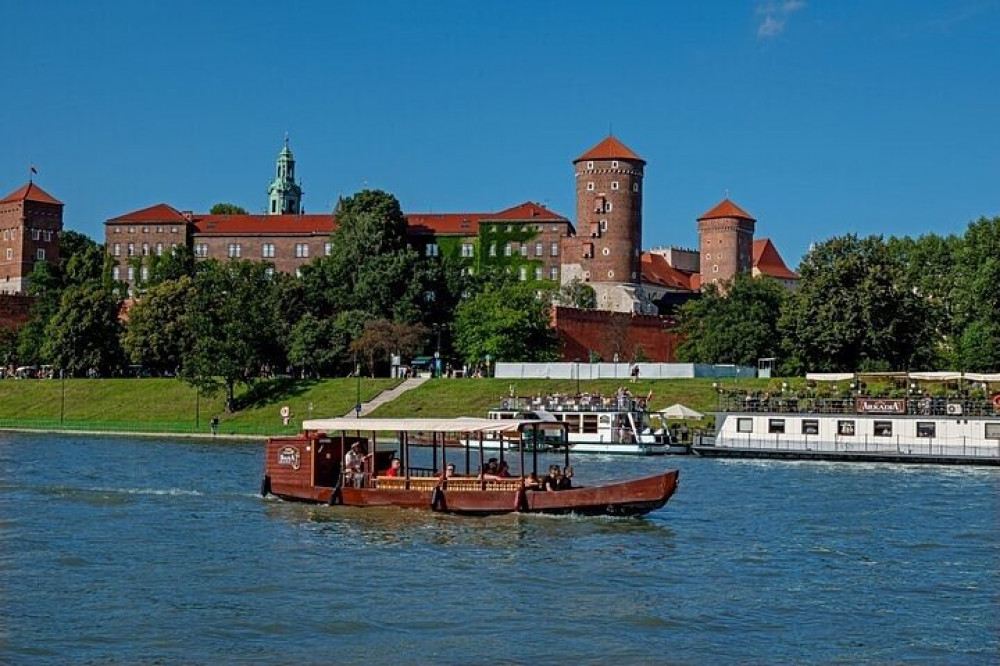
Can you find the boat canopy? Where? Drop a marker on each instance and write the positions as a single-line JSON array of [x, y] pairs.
[[829, 376], [933, 376], [459, 425]]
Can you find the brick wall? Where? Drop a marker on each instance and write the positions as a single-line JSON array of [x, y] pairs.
[[15, 310], [609, 333]]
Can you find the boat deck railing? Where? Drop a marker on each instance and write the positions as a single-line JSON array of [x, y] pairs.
[[965, 447], [571, 403], [919, 406]]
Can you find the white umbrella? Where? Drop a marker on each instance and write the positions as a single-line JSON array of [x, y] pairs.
[[679, 411]]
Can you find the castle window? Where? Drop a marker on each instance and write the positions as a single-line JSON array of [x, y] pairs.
[[604, 225], [611, 275], [590, 165], [301, 251], [201, 250], [539, 249], [117, 250], [269, 271], [144, 273], [131, 273], [145, 230], [298, 273], [131, 230], [715, 269], [508, 227], [48, 236], [538, 272], [10, 254], [327, 249], [554, 250], [159, 249], [554, 273], [708, 256], [506, 250], [493, 249], [468, 250], [35, 234], [267, 251], [115, 273], [173, 230], [614, 165], [588, 250], [522, 273], [633, 275], [590, 187], [586, 276], [235, 250], [431, 250], [635, 187], [131, 249], [6, 234], [608, 207], [145, 249], [274, 206], [614, 184], [524, 250], [606, 251], [159, 230]]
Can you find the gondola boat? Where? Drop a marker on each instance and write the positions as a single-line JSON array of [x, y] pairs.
[[309, 467]]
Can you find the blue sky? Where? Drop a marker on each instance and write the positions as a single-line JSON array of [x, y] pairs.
[[820, 117]]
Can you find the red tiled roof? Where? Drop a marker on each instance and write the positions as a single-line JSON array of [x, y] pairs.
[[610, 149], [235, 225], [459, 224], [767, 260], [727, 208], [30, 192], [528, 211], [158, 213], [656, 270]]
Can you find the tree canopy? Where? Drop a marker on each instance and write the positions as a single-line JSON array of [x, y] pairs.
[[223, 208]]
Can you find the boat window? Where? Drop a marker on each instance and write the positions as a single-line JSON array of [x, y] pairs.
[[993, 431], [590, 423], [810, 426], [744, 425], [605, 420], [883, 428], [776, 426], [845, 428], [926, 429]]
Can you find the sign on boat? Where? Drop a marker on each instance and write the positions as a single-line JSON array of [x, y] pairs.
[[311, 467]]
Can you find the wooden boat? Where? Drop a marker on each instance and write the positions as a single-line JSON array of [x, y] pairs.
[[309, 467]]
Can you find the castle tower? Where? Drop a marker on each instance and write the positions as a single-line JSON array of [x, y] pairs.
[[31, 221], [606, 251], [725, 236], [284, 196]]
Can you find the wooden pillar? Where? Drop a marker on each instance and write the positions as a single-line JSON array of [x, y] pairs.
[[482, 460], [534, 448], [434, 451]]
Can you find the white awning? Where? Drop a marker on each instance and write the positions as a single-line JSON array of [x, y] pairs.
[[459, 425], [936, 376], [829, 376], [983, 377]]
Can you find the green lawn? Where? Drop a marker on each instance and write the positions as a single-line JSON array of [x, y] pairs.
[[169, 405]]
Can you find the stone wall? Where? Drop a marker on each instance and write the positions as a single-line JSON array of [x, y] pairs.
[[610, 333], [15, 310]]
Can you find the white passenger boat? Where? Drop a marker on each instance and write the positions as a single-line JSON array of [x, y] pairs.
[[917, 429], [618, 424]]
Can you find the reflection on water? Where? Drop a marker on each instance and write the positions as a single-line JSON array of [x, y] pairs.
[[161, 551]]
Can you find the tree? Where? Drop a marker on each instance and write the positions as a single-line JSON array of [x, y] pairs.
[[317, 347], [852, 312], [508, 323], [174, 264], [576, 294], [158, 334], [84, 332], [223, 208], [738, 327], [381, 338], [231, 327]]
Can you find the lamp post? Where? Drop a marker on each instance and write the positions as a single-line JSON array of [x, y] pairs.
[[357, 400], [437, 350]]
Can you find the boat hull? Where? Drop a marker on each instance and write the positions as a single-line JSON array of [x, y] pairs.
[[628, 498]]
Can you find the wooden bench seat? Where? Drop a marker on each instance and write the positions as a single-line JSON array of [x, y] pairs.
[[455, 484]]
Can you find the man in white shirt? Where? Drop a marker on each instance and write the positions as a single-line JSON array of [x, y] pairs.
[[354, 465]]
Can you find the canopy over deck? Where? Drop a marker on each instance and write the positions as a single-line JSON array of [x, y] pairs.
[[459, 425], [935, 376]]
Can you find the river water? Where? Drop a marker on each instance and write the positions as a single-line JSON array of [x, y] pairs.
[[130, 550]]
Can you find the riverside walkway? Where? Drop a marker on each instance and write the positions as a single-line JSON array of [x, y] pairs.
[[388, 396]]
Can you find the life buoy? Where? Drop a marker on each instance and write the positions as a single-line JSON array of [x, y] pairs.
[[437, 499], [285, 411], [265, 486], [996, 401]]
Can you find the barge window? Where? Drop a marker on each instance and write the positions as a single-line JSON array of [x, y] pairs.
[[992, 431], [590, 423], [744, 425], [810, 426], [883, 428], [926, 429], [845, 428], [776, 426]]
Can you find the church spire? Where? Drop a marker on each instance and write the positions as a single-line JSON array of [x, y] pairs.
[[284, 195]]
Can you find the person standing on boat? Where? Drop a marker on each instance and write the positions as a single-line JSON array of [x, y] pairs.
[[395, 468], [354, 465]]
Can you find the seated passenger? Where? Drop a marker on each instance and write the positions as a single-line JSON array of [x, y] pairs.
[[395, 468], [565, 481], [354, 466], [503, 470], [531, 482], [551, 480], [449, 471]]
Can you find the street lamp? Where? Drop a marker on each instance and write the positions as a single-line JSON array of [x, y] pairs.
[[487, 365], [437, 352], [357, 401]]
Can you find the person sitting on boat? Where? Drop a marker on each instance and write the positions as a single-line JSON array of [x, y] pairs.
[[565, 482], [395, 468], [449, 471], [551, 480], [354, 465], [490, 468], [503, 470], [531, 482]]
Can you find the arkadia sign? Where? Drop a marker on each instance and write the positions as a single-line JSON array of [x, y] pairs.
[[880, 406]]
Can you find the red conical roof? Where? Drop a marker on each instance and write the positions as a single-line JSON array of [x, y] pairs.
[[610, 149], [30, 192], [727, 208]]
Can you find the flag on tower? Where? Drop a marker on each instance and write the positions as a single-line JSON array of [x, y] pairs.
[[34, 170]]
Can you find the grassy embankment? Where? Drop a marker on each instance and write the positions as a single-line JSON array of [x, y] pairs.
[[171, 406]]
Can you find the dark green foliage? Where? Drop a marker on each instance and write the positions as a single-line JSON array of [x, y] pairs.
[[83, 335], [223, 208], [510, 323], [158, 336], [576, 294]]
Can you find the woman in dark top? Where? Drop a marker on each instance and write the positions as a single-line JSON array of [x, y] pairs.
[[565, 481]]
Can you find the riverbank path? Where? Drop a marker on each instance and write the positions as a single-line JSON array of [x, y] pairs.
[[388, 396]]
